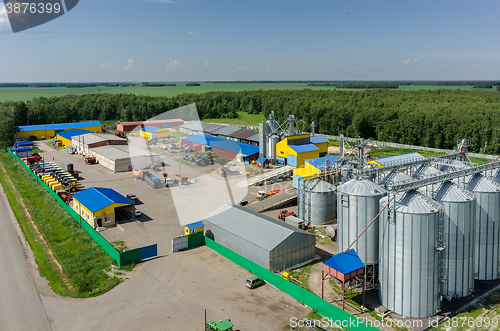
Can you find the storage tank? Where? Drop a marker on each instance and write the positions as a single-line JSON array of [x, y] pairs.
[[358, 204], [426, 170], [409, 260], [322, 198], [459, 220], [396, 177], [450, 165], [487, 243], [271, 154]]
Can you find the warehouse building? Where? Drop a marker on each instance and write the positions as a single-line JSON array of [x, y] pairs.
[[119, 158], [22, 152], [43, 131], [237, 134], [98, 206], [150, 132], [66, 136], [313, 167], [160, 124], [230, 149], [83, 143], [294, 150], [259, 238]]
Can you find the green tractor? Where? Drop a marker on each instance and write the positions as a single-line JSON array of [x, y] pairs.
[[224, 325]]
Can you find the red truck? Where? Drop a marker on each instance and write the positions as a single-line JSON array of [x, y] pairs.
[[285, 213], [33, 158]]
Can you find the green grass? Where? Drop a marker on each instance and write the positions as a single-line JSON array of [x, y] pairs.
[[82, 260], [28, 93], [243, 119], [392, 151], [59, 148], [301, 276]]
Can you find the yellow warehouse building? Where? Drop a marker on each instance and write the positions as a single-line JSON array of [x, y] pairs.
[[43, 131]]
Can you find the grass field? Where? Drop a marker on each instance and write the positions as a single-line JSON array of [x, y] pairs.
[[244, 119], [83, 262], [28, 93]]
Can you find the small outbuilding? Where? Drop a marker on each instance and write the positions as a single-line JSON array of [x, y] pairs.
[[66, 136], [259, 238], [194, 228], [98, 206], [25, 143], [22, 152], [262, 162]]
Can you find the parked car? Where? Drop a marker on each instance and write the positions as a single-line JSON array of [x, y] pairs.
[[254, 282], [137, 212]]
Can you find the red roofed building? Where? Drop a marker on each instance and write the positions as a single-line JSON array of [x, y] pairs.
[[161, 124]]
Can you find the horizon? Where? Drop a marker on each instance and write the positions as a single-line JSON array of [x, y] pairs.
[[199, 41]]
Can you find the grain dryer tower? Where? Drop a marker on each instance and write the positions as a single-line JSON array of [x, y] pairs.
[[459, 211], [409, 259], [357, 205]]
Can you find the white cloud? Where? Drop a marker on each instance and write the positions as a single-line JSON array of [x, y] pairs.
[[474, 66], [407, 61], [415, 61], [457, 55], [106, 67], [340, 67], [355, 68], [129, 66], [268, 69], [231, 69], [4, 19], [171, 66], [208, 64], [190, 32]]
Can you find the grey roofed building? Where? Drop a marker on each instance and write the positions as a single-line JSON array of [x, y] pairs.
[[119, 158], [259, 238], [223, 131]]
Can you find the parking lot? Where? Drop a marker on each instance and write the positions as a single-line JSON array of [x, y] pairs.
[[172, 290]]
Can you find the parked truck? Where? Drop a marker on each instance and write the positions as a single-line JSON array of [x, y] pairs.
[[139, 173], [167, 180], [181, 179], [70, 149], [90, 160], [33, 158], [223, 325], [152, 180]]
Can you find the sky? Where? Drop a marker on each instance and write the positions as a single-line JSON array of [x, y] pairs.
[[202, 40]]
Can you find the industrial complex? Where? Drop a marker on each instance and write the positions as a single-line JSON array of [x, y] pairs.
[[417, 231]]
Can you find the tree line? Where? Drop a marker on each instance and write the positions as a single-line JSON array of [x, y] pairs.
[[436, 118]]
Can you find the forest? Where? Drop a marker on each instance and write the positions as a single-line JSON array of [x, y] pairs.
[[433, 118]]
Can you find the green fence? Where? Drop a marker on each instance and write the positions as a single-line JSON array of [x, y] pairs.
[[311, 300], [196, 239], [121, 258]]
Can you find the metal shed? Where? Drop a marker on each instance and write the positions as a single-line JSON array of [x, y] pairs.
[[259, 238]]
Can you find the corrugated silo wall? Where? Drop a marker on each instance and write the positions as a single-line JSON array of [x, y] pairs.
[[237, 244], [354, 213], [408, 266], [487, 235], [459, 237], [295, 249], [323, 206]]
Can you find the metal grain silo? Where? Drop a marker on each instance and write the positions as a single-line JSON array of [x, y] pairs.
[[487, 244], [357, 205], [322, 200], [396, 177], [426, 170], [459, 221], [409, 259]]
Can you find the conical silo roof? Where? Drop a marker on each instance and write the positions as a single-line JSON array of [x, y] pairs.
[[482, 184], [361, 187], [413, 202], [426, 170], [451, 192], [318, 185], [396, 177]]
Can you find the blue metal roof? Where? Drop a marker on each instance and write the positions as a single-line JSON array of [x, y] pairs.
[[24, 143], [303, 148], [195, 225], [68, 134], [385, 161], [60, 126], [224, 144], [320, 161], [97, 198], [318, 139], [345, 263], [21, 149], [149, 129], [261, 159]]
